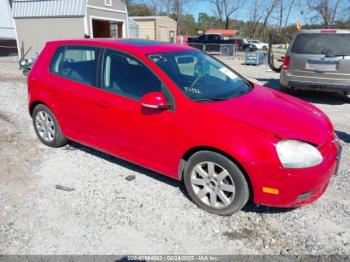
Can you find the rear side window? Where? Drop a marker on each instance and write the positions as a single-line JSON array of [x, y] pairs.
[[78, 63], [326, 44], [56, 60]]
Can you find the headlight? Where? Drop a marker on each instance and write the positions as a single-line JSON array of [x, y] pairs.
[[297, 154]]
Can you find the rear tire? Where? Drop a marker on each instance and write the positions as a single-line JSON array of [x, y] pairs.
[[47, 128], [286, 90], [347, 97], [215, 183]]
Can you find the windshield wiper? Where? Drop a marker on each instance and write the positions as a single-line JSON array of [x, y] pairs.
[[211, 99], [214, 99], [340, 55]]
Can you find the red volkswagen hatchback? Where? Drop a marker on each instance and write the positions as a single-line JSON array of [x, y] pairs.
[[180, 112]]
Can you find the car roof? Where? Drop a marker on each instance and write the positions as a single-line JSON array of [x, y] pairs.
[[132, 45]]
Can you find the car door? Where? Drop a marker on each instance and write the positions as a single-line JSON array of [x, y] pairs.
[[130, 131], [72, 85]]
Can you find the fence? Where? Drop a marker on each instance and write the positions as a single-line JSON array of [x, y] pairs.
[[224, 50]]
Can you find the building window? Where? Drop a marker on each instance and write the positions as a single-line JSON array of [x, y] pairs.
[[108, 2], [114, 29]]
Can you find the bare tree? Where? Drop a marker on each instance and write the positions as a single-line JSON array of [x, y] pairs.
[[230, 7], [176, 8], [285, 10], [269, 8], [261, 14], [326, 9], [255, 18], [224, 9], [218, 9], [156, 6]]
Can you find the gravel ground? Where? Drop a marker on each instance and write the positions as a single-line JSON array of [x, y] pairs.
[[107, 214]]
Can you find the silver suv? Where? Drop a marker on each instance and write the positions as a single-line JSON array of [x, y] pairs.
[[318, 60]]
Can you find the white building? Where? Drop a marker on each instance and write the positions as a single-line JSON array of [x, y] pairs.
[[39, 21], [7, 29]]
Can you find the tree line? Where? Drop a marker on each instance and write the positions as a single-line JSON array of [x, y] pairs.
[[265, 16]]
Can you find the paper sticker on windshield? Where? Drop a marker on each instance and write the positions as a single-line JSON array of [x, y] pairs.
[[192, 90], [228, 73]]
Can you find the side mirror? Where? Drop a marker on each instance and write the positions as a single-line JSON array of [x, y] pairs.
[[154, 100]]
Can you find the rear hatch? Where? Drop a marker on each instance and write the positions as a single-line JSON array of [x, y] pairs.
[[323, 57]]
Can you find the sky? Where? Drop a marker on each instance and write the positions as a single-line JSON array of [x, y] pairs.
[[300, 12], [197, 7]]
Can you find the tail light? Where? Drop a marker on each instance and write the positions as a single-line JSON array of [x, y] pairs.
[[329, 31], [286, 63]]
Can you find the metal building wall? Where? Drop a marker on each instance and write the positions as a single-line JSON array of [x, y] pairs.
[[133, 29], [48, 8], [7, 29]]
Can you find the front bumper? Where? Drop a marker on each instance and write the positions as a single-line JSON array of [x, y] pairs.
[[298, 187]]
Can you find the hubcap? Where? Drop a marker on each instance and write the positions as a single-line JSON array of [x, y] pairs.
[[45, 126], [213, 185]]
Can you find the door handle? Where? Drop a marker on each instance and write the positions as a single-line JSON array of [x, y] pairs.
[[102, 104], [53, 87]]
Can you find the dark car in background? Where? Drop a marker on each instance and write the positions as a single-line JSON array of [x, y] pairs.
[[212, 39], [318, 60]]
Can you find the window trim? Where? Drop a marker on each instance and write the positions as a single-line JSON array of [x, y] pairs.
[[164, 89], [52, 57], [99, 72], [108, 3], [98, 58]]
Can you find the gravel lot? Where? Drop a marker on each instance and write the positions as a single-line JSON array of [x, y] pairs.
[[107, 214]]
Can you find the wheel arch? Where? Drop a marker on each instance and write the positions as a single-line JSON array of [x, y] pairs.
[[197, 149], [34, 104]]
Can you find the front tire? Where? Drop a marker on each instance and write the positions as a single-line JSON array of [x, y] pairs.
[[346, 96], [47, 128], [215, 183]]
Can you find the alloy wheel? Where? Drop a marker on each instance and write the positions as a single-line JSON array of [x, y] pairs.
[[213, 185], [45, 126]]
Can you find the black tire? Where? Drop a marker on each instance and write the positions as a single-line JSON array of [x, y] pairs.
[[242, 192], [286, 90], [346, 97], [264, 48], [247, 49], [59, 140]]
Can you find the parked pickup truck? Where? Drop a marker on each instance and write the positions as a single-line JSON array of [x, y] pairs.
[[218, 39]]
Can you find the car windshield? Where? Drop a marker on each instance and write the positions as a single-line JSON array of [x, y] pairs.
[[322, 44], [201, 77]]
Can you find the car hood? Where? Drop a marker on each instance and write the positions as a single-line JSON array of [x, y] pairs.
[[279, 114]]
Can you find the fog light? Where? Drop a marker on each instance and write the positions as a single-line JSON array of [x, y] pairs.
[[270, 190], [304, 196]]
